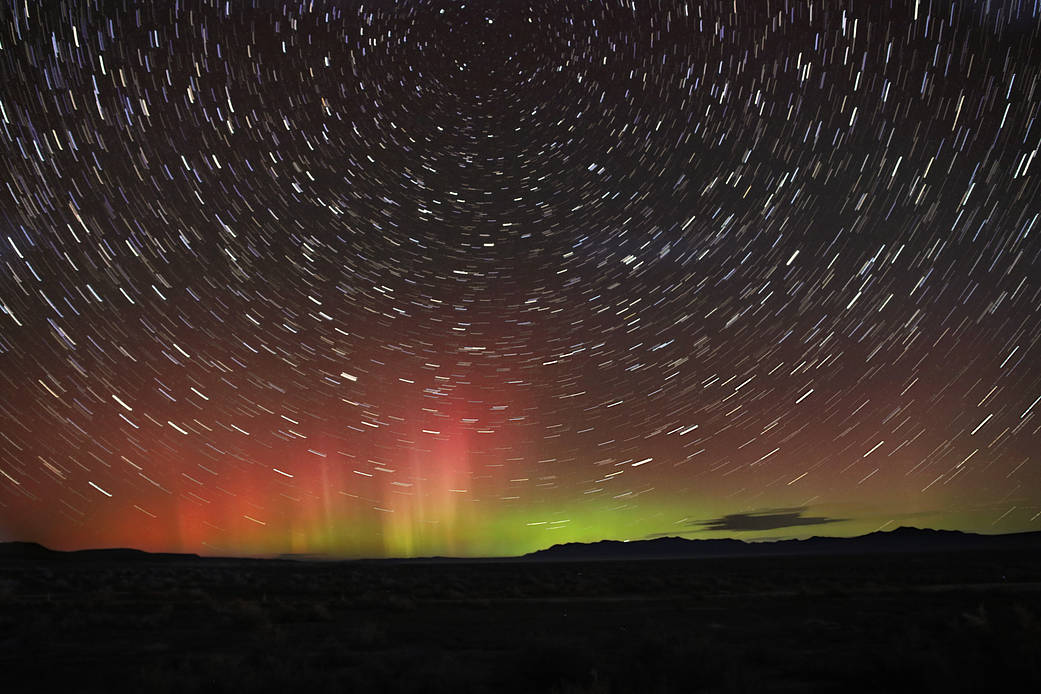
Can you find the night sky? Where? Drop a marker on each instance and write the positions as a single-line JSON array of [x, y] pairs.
[[476, 278]]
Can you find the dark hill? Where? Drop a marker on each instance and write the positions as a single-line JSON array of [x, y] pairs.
[[26, 550], [902, 539], [37, 552]]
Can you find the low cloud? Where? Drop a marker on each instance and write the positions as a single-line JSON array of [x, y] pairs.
[[769, 519]]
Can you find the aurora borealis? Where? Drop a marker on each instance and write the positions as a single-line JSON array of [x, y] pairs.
[[417, 278]]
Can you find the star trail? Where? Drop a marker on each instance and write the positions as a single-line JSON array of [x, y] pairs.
[[415, 278]]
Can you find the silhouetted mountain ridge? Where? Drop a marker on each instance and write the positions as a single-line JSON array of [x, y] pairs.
[[36, 551], [902, 539]]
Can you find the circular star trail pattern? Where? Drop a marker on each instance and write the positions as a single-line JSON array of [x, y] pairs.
[[474, 278]]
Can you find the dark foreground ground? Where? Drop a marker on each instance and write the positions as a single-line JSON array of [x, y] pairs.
[[882, 623]]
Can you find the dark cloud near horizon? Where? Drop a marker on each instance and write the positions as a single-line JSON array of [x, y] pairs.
[[769, 519]]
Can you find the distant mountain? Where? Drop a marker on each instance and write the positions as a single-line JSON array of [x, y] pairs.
[[37, 552], [903, 539], [25, 550]]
